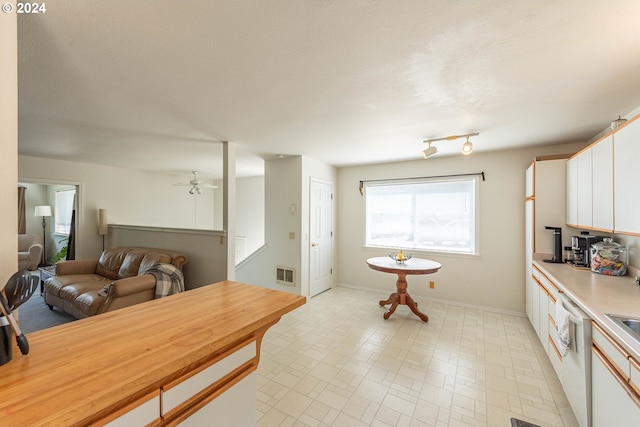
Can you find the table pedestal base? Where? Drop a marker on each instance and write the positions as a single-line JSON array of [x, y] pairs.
[[402, 298]]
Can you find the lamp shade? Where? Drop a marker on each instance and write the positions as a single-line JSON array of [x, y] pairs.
[[42, 211], [103, 223]]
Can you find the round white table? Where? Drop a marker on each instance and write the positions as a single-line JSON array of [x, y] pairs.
[[411, 266]]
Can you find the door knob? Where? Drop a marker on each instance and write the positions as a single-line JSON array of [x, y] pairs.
[[313, 245]]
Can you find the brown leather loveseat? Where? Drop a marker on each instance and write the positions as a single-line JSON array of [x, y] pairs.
[[120, 278]]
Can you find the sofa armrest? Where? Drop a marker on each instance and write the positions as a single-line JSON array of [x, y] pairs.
[[128, 291], [132, 285], [35, 252], [78, 266]]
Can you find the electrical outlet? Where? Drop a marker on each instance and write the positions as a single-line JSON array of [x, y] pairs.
[[432, 284]]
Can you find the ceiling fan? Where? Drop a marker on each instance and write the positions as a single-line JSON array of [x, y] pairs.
[[195, 184]]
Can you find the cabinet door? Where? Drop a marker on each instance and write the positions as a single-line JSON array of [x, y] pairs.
[[528, 181], [612, 400], [528, 258], [550, 207], [543, 318], [535, 307], [602, 172], [572, 191], [585, 196], [626, 175]]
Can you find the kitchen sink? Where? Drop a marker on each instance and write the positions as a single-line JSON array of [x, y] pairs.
[[631, 325]]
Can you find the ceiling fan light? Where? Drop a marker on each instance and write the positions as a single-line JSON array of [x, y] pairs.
[[467, 147], [429, 151]]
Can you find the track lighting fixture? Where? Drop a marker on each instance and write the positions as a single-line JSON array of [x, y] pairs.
[[467, 147], [429, 151]]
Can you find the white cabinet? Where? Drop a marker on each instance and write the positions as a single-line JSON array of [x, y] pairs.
[[585, 195], [572, 191], [529, 257], [141, 415], [602, 184], [545, 197], [549, 197], [626, 175], [613, 402]]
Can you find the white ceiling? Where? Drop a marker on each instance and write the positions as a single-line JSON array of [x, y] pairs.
[[155, 85]]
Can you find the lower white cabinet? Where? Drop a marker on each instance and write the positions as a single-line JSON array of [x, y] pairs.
[[142, 415], [612, 399], [235, 407]]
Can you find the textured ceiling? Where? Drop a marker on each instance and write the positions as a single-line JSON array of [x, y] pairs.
[[155, 85]]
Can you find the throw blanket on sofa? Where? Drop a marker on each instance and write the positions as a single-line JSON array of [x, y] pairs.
[[169, 279]]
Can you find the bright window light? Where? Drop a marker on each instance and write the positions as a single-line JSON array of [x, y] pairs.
[[431, 214]]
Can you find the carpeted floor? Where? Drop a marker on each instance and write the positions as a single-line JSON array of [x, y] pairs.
[[35, 315]]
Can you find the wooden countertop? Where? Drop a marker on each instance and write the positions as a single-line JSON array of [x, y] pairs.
[[598, 295], [99, 364]]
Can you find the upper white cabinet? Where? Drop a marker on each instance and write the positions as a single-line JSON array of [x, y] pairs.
[[602, 184], [585, 188], [572, 191], [626, 175]]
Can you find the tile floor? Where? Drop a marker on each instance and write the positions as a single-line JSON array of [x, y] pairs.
[[337, 362]]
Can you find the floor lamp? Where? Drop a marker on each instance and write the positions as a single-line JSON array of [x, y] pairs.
[[103, 225], [43, 211]]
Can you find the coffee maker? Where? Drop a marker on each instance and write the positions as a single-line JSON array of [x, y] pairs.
[[580, 246]]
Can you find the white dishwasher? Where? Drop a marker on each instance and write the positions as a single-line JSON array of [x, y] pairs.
[[576, 363]]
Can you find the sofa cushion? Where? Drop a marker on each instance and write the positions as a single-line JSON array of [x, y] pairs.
[[88, 303], [72, 291], [54, 285], [151, 259], [110, 262], [130, 264]]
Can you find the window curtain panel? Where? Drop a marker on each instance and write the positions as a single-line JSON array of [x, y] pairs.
[[71, 243], [22, 220]]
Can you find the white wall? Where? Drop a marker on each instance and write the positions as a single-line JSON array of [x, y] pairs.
[[493, 279], [250, 199], [282, 188], [8, 146], [131, 197]]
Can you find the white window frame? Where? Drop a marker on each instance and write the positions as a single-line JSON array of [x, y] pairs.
[[413, 247], [63, 214]]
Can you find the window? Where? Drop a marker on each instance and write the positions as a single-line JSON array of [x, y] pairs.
[[431, 214], [63, 211]]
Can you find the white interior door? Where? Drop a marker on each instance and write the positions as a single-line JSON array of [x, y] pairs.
[[320, 237]]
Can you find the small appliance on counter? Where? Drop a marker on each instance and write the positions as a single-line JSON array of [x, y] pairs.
[[580, 246], [557, 244], [609, 258]]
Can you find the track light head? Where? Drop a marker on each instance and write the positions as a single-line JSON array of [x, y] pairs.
[[467, 147], [429, 151]]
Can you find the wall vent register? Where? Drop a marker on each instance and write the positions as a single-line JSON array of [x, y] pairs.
[[285, 276]]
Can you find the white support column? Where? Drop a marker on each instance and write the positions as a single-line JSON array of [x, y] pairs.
[[229, 205]]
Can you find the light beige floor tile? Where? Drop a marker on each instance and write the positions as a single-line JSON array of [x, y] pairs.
[[336, 362]]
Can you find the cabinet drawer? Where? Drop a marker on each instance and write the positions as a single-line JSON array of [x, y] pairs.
[[617, 356], [535, 273], [551, 287], [176, 394], [634, 378]]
